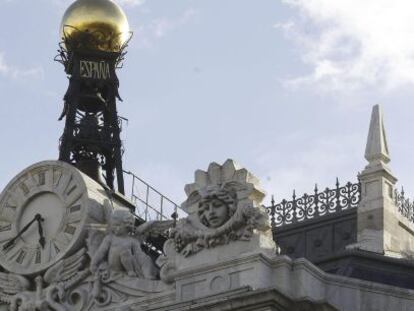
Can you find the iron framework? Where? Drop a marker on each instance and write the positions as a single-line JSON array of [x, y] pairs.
[[92, 125]]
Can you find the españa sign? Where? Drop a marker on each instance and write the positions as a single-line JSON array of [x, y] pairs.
[[94, 70]]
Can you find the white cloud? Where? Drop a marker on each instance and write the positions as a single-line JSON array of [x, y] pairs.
[[160, 27], [66, 3], [319, 160], [163, 25], [352, 44], [131, 2], [15, 73]]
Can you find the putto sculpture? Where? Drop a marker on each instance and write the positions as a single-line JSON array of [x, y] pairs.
[[119, 252], [118, 264]]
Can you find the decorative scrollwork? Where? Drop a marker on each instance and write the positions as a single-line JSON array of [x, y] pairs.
[[318, 204], [404, 205]]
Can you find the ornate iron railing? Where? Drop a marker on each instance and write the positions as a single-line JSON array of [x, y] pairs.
[[312, 206], [404, 205], [150, 203]]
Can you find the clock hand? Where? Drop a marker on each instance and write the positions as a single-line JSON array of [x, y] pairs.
[[42, 240], [11, 242]]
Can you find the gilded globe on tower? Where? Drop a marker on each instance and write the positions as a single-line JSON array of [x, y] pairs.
[[95, 25]]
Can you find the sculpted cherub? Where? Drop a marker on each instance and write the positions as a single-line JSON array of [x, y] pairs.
[[120, 252]]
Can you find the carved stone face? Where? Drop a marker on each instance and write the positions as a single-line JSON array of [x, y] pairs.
[[119, 229], [121, 222], [213, 212]]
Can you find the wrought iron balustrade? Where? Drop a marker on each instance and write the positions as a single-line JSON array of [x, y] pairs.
[[312, 206], [404, 205]]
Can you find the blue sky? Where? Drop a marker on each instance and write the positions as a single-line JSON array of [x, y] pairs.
[[285, 87]]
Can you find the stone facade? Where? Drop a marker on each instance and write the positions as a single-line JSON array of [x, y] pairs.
[[221, 256]]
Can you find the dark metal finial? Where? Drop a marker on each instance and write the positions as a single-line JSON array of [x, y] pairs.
[[174, 216]]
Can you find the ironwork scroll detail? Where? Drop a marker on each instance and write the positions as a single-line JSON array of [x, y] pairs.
[[404, 205], [312, 206]]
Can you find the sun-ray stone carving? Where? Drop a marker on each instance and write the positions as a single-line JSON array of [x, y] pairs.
[[223, 206]]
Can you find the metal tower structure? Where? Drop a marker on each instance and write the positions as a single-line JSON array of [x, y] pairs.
[[91, 138]]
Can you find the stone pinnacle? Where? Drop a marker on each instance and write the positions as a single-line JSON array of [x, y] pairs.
[[377, 146]]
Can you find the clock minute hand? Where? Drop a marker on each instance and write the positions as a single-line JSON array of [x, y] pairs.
[[42, 240], [11, 242]]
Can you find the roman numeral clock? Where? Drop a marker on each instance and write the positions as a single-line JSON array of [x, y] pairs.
[[44, 214]]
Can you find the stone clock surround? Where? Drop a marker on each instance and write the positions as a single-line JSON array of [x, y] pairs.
[[38, 189]]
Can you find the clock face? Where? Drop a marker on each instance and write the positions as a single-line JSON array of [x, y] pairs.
[[46, 200]]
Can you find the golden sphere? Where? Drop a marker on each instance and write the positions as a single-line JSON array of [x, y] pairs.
[[96, 25]]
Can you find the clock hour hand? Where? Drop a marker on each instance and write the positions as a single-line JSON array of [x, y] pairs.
[[24, 229], [42, 240]]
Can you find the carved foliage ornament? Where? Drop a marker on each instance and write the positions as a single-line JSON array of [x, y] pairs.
[[51, 291], [111, 269]]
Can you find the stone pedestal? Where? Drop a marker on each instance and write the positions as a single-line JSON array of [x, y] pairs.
[[377, 211], [224, 268]]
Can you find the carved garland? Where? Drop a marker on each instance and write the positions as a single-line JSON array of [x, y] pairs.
[[190, 240]]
